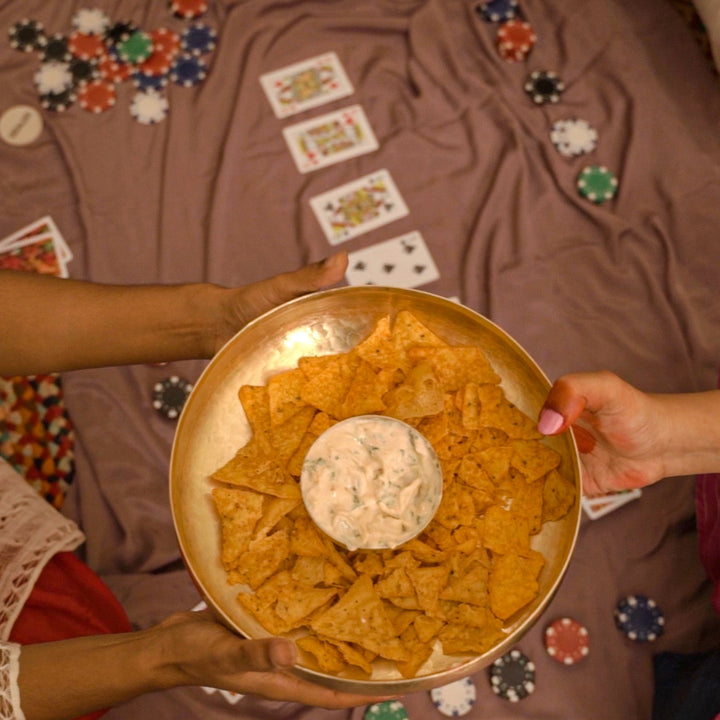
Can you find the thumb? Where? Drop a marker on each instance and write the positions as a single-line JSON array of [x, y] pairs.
[[265, 654]]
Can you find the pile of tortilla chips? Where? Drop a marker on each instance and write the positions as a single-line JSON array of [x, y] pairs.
[[455, 584]]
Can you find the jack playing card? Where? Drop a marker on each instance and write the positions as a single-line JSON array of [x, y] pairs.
[[306, 84], [403, 262], [358, 207], [330, 138]]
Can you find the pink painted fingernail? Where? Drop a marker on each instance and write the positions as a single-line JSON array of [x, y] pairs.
[[550, 421]]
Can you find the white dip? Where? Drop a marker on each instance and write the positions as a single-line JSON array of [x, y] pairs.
[[371, 482]]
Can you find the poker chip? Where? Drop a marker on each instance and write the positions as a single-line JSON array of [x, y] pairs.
[[119, 31], [27, 35], [159, 63], [544, 86], [498, 10], [573, 137], [515, 39], [53, 77], [114, 70], [198, 39], [85, 46], [188, 70], [97, 96], [58, 102], [149, 107], [56, 48], [135, 48], [639, 618], [512, 676], [169, 396], [90, 21], [567, 641], [165, 41], [388, 710], [188, 9], [597, 184], [149, 82], [83, 71], [455, 699]]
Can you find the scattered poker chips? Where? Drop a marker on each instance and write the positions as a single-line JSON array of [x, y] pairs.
[[97, 96], [544, 86], [188, 9], [515, 39], [188, 70], [498, 10], [573, 137], [27, 36], [388, 710], [169, 396], [597, 184], [567, 641], [149, 107], [455, 699], [512, 676], [198, 39], [639, 618], [90, 21]]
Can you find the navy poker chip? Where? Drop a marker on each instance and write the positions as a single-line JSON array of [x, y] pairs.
[[169, 396], [498, 10], [198, 39], [149, 82], [639, 618], [188, 70], [512, 676]]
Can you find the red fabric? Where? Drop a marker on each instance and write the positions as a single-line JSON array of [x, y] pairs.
[[68, 600], [707, 509]]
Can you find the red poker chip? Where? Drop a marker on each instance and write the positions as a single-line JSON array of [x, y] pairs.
[[567, 641], [165, 41], [515, 39], [188, 9], [85, 46], [159, 63], [97, 96]]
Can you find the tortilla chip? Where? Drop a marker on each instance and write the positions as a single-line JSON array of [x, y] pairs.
[[505, 532], [418, 652], [498, 412], [419, 395], [533, 458], [284, 398], [558, 497], [239, 512], [428, 583], [264, 556], [461, 639], [455, 367], [513, 582], [286, 438], [365, 394], [256, 404], [327, 656]]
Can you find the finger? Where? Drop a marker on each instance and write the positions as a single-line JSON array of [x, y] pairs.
[[263, 655]]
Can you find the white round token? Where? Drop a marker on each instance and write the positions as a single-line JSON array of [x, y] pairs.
[[149, 107], [455, 699], [90, 21], [20, 125], [53, 77], [573, 137]]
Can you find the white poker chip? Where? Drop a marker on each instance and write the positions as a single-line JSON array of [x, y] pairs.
[[149, 107], [455, 699], [573, 137], [53, 77], [90, 21]]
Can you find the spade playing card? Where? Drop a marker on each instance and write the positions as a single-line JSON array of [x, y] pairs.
[[403, 262]]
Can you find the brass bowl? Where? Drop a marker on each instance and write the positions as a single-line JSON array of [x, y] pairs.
[[212, 427]]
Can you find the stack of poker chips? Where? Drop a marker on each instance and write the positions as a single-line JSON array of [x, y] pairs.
[[571, 137], [88, 65]]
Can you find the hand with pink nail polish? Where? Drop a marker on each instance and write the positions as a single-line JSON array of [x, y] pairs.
[[628, 438]]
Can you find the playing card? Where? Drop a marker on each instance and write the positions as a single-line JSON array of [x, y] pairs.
[[597, 507], [44, 226], [34, 254], [306, 84], [358, 207], [330, 138], [404, 262]]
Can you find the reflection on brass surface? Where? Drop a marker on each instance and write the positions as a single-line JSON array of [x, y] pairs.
[[212, 428]]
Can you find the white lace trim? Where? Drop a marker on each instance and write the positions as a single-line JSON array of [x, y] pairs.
[[31, 532], [9, 692]]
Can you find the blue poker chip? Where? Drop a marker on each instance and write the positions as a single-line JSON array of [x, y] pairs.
[[188, 70], [498, 10], [198, 39], [149, 82], [512, 676], [639, 618]]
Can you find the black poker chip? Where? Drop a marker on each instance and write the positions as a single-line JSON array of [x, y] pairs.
[[27, 35], [169, 396], [639, 618], [58, 101], [83, 71], [544, 86], [512, 676], [56, 48], [120, 31]]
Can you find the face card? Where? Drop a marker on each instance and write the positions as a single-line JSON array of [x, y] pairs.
[[35, 254], [403, 262], [306, 84], [597, 507], [43, 226], [358, 207], [330, 139]]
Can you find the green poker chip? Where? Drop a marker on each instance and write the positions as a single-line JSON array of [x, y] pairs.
[[135, 48], [597, 184], [388, 710]]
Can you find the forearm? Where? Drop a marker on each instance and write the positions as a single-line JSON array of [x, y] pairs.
[[98, 672], [50, 324], [691, 439]]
